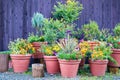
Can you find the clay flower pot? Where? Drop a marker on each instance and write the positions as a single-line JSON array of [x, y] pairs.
[[93, 44], [3, 62], [37, 46], [116, 56], [52, 64], [98, 67], [20, 62], [69, 68]]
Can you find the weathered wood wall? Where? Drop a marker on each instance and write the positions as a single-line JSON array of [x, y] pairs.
[[15, 15]]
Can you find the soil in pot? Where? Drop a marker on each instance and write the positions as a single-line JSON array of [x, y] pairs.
[[69, 68], [98, 67]]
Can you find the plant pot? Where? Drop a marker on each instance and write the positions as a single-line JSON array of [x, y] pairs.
[[81, 65], [52, 64], [37, 46], [4, 62], [116, 56], [69, 68], [93, 44], [98, 67], [20, 62]]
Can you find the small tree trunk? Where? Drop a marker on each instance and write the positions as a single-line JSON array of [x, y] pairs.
[[37, 70]]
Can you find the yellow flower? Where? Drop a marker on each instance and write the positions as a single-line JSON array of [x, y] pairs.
[[48, 51], [56, 48], [68, 1]]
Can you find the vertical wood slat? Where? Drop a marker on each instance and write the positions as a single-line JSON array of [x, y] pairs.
[[15, 16]]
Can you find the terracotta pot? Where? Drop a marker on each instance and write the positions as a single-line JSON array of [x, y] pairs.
[[37, 46], [93, 44], [81, 65], [69, 68], [52, 64], [20, 62], [3, 62], [98, 67], [116, 56]]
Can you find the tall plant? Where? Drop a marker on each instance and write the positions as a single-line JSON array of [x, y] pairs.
[[68, 12], [37, 22]]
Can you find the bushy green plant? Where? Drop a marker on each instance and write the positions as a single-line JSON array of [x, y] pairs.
[[68, 49], [37, 21], [91, 30], [116, 30], [68, 12], [35, 38], [21, 46]]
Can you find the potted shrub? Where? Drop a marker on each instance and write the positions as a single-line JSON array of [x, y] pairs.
[[37, 42], [99, 59], [4, 61], [91, 32], [115, 41], [21, 53], [69, 57], [50, 58]]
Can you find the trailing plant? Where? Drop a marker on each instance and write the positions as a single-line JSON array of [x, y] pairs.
[[5, 52], [67, 12], [37, 22], [35, 38], [91, 30], [21, 46], [68, 49]]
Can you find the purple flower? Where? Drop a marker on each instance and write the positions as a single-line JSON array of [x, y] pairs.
[[55, 53], [68, 31]]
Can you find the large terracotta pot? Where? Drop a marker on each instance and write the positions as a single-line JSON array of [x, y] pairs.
[[69, 68], [116, 56], [98, 67], [3, 62], [93, 44], [20, 62], [52, 64], [37, 46]]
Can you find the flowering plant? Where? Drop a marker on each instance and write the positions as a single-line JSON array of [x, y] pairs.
[[84, 48], [21, 46], [50, 50], [101, 52]]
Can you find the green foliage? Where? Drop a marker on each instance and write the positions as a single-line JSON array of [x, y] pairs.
[[91, 30], [5, 52], [35, 38], [37, 21], [68, 12], [116, 30]]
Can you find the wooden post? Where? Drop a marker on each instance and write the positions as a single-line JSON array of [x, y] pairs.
[[37, 70]]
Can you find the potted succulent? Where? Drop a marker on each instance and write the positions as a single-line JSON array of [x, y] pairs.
[[115, 41], [69, 57], [4, 60], [99, 59], [91, 32], [21, 51], [50, 58], [37, 42]]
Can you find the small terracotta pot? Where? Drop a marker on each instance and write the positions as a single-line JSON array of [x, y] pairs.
[[98, 67], [37, 46], [93, 44], [52, 64], [69, 68], [81, 65], [3, 62], [20, 62], [116, 56]]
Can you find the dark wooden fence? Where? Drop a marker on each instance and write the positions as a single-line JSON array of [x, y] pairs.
[[15, 16]]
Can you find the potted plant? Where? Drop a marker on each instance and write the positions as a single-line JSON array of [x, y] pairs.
[[37, 42], [115, 41], [69, 57], [99, 59], [21, 53], [4, 61], [91, 32], [50, 58]]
